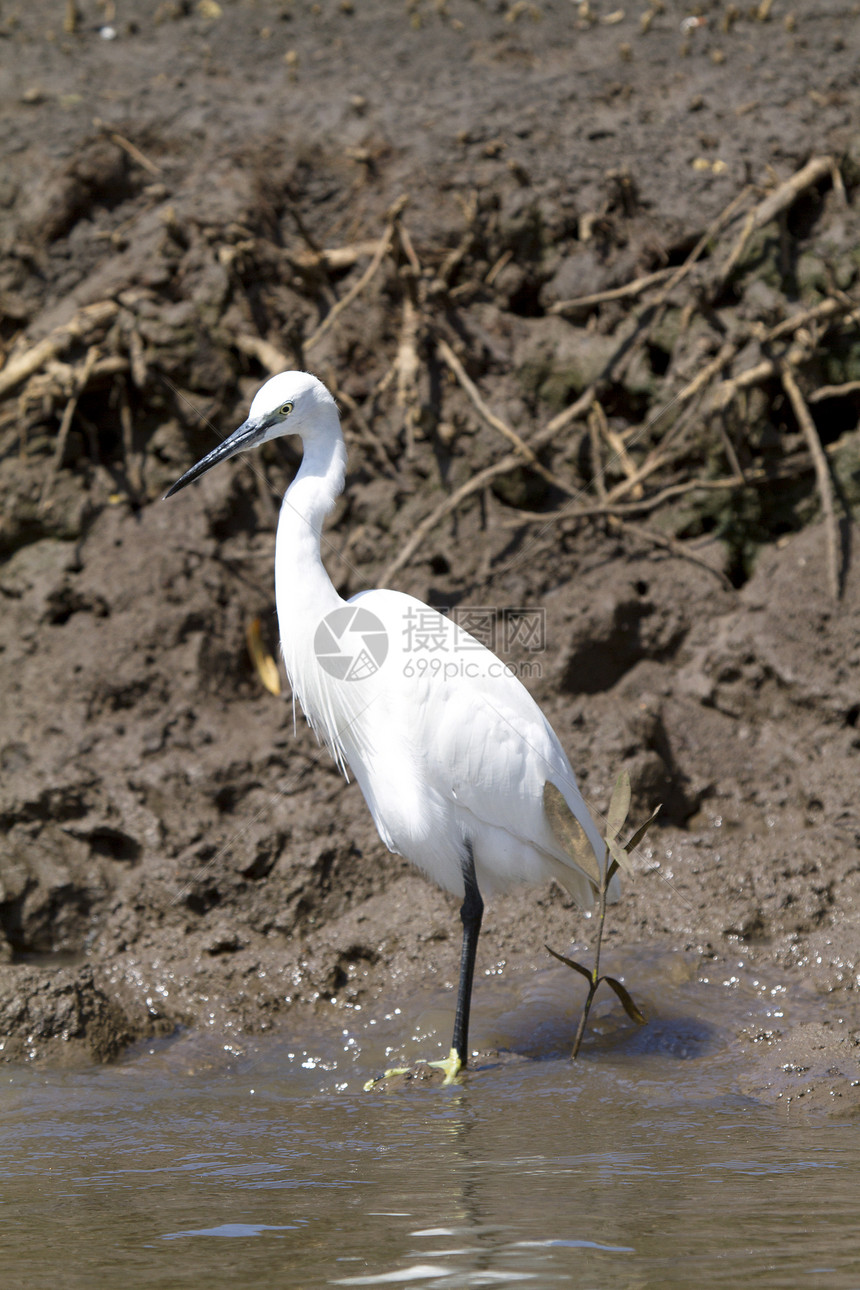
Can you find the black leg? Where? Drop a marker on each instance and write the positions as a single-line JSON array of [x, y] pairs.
[[471, 913]]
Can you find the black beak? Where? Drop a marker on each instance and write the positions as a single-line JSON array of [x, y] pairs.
[[249, 434]]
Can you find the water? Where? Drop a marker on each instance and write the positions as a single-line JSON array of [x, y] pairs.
[[638, 1167]]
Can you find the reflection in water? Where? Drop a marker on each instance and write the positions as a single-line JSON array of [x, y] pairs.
[[637, 1167], [233, 1229]]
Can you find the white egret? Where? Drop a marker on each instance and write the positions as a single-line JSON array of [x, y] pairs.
[[455, 759]]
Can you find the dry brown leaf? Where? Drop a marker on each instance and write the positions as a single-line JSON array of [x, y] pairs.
[[267, 668]]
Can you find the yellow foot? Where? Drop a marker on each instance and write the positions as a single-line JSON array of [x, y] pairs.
[[378, 1079], [450, 1066]]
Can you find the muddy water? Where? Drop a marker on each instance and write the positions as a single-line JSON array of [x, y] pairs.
[[191, 1164]]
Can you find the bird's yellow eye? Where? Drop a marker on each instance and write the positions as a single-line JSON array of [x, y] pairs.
[[286, 409]]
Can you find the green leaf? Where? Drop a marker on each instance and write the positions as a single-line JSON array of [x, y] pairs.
[[619, 855], [618, 806], [577, 967], [626, 1002], [569, 833], [642, 830]]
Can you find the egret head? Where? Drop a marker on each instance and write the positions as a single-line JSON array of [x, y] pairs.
[[290, 403]]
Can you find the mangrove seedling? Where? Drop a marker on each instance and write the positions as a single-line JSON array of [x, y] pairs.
[[570, 832]]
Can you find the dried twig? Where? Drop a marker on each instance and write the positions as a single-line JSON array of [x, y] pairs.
[[81, 379], [338, 257], [471, 389], [135, 153], [132, 471], [576, 410], [721, 396], [379, 255], [733, 460], [725, 354], [491, 419], [266, 354], [597, 467], [482, 480], [408, 365], [450, 504], [790, 467], [834, 391], [365, 432], [768, 368], [634, 342], [58, 377], [671, 277], [703, 243], [630, 485], [616, 443], [455, 258], [21, 366], [408, 248], [822, 475], [579, 408], [625, 292], [495, 269], [773, 205], [598, 510], [137, 357], [828, 308], [669, 544]]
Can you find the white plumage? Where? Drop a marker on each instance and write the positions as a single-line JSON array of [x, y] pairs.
[[449, 749]]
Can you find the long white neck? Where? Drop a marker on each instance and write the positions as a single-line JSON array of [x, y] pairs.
[[303, 589]]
